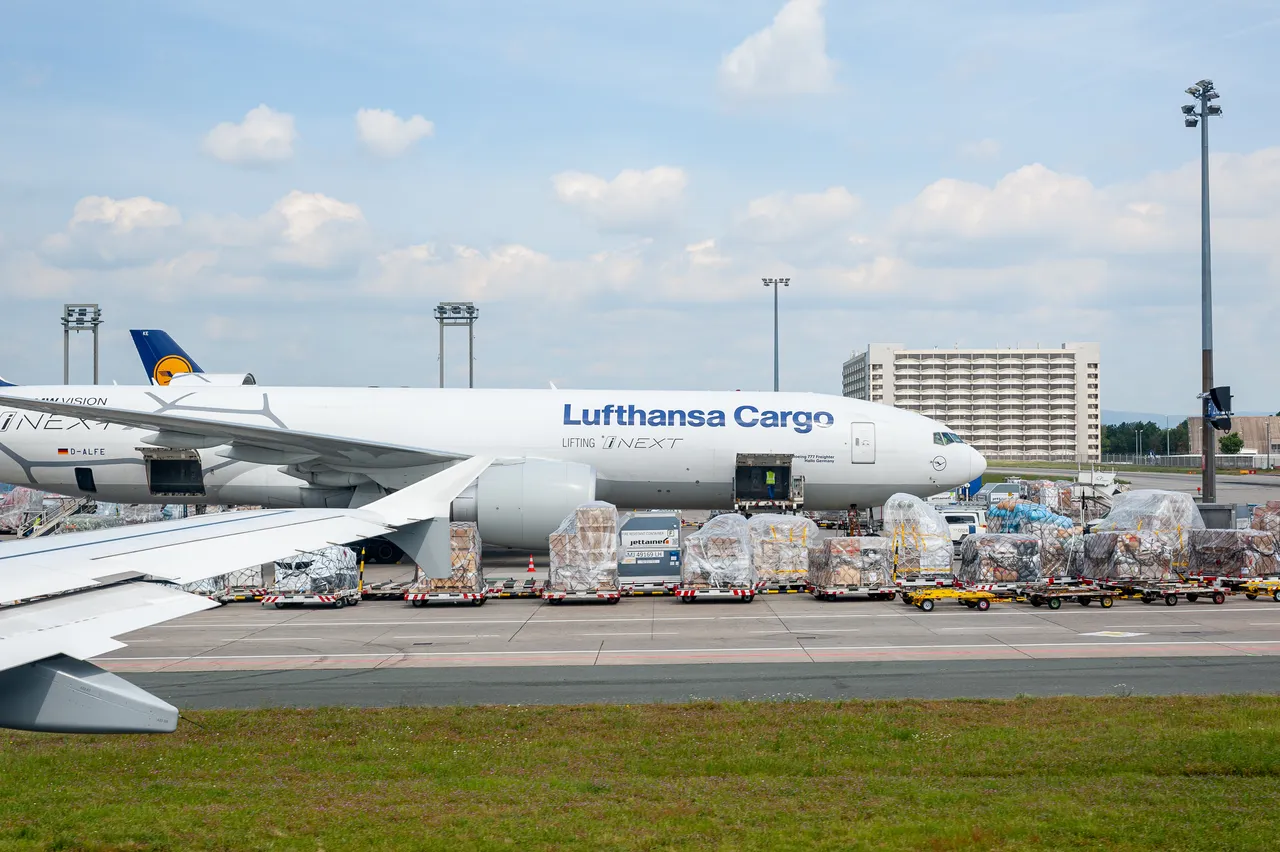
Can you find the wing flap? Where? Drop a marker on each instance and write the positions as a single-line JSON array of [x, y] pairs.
[[85, 624]]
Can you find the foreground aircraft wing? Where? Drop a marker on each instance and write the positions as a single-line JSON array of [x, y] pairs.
[[259, 444], [94, 586]]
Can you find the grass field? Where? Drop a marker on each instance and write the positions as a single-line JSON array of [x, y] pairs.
[[1030, 774]]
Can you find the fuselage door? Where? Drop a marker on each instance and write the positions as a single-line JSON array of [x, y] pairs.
[[862, 443]]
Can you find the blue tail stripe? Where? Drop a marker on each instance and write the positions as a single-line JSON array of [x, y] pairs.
[[155, 346]]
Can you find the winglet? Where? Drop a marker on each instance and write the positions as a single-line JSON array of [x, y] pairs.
[[431, 497], [161, 355]]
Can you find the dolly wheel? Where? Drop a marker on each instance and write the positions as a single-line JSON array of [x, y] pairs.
[[890, 595], [339, 603], [279, 605], [1037, 602], [1275, 596], [1082, 600], [926, 605], [1107, 602], [1055, 603], [1170, 600], [984, 605], [1219, 597], [970, 604], [1192, 597], [1251, 596], [417, 602]]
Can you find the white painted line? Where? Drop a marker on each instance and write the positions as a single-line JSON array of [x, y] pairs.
[[1148, 626], [290, 639], [820, 630], [994, 627], [672, 633], [1003, 646], [1115, 634], [455, 636]]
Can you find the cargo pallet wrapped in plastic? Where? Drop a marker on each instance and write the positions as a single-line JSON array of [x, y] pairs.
[[998, 558], [919, 536], [1267, 517], [1055, 496], [584, 552], [322, 572], [718, 556], [466, 577], [780, 546], [1245, 554], [1169, 515], [1128, 556], [855, 562], [17, 505]]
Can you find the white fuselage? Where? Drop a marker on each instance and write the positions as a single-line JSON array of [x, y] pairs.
[[650, 449]]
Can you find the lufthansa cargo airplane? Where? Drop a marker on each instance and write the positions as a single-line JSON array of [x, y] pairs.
[[193, 442]]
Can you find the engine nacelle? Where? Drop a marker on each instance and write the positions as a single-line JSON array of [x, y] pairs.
[[521, 503]]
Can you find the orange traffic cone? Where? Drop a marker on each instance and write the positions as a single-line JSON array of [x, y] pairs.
[[531, 568]]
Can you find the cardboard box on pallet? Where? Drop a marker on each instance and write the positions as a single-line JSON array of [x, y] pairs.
[[1000, 558], [466, 574], [780, 548], [584, 550], [718, 556], [1267, 517], [1249, 554], [854, 562], [1055, 496], [918, 534]]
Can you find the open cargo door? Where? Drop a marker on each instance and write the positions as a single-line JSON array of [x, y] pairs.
[[862, 443]]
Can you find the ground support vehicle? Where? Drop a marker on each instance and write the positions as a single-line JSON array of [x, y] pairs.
[[875, 593], [442, 596], [514, 588], [559, 596], [783, 588], [689, 594], [1150, 591], [928, 599], [924, 580], [337, 600], [1254, 589]]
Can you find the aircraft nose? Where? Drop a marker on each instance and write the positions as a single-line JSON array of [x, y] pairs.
[[977, 464]]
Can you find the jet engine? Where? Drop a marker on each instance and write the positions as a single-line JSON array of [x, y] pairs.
[[517, 504]]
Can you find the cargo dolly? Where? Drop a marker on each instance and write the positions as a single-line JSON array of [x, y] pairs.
[[689, 594], [233, 594], [514, 588], [1053, 596], [642, 589], [784, 588], [927, 599], [337, 600], [1169, 592], [1255, 589], [559, 596], [387, 590], [419, 599], [875, 593]]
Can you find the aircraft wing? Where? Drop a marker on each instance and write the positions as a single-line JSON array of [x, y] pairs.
[[93, 586], [260, 444]]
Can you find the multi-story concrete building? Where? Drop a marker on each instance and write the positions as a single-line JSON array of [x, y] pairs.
[[1005, 402]]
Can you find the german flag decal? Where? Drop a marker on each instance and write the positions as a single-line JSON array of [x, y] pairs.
[[63, 451]]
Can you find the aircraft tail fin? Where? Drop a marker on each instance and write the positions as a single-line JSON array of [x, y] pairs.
[[161, 355], [4, 384]]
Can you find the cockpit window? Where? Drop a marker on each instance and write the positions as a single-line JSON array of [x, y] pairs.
[[942, 439]]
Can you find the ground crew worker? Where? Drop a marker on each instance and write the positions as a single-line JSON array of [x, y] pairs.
[[770, 479]]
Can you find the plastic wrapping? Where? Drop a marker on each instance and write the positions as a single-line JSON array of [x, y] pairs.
[[919, 535], [465, 573], [780, 547], [584, 550], [856, 562], [1131, 555], [1168, 514], [1055, 496], [1232, 553], [87, 523], [1000, 558], [17, 505], [245, 578], [1267, 517], [208, 586], [718, 556], [1024, 516], [322, 572]]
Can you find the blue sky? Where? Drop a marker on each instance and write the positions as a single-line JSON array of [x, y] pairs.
[[610, 181]]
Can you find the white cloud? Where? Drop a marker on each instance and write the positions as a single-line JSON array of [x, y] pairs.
[[983, 149], [788, 57], [125, 214], [786, 217], [265, 136], [632, 200], [105, 232], [386, 134]]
